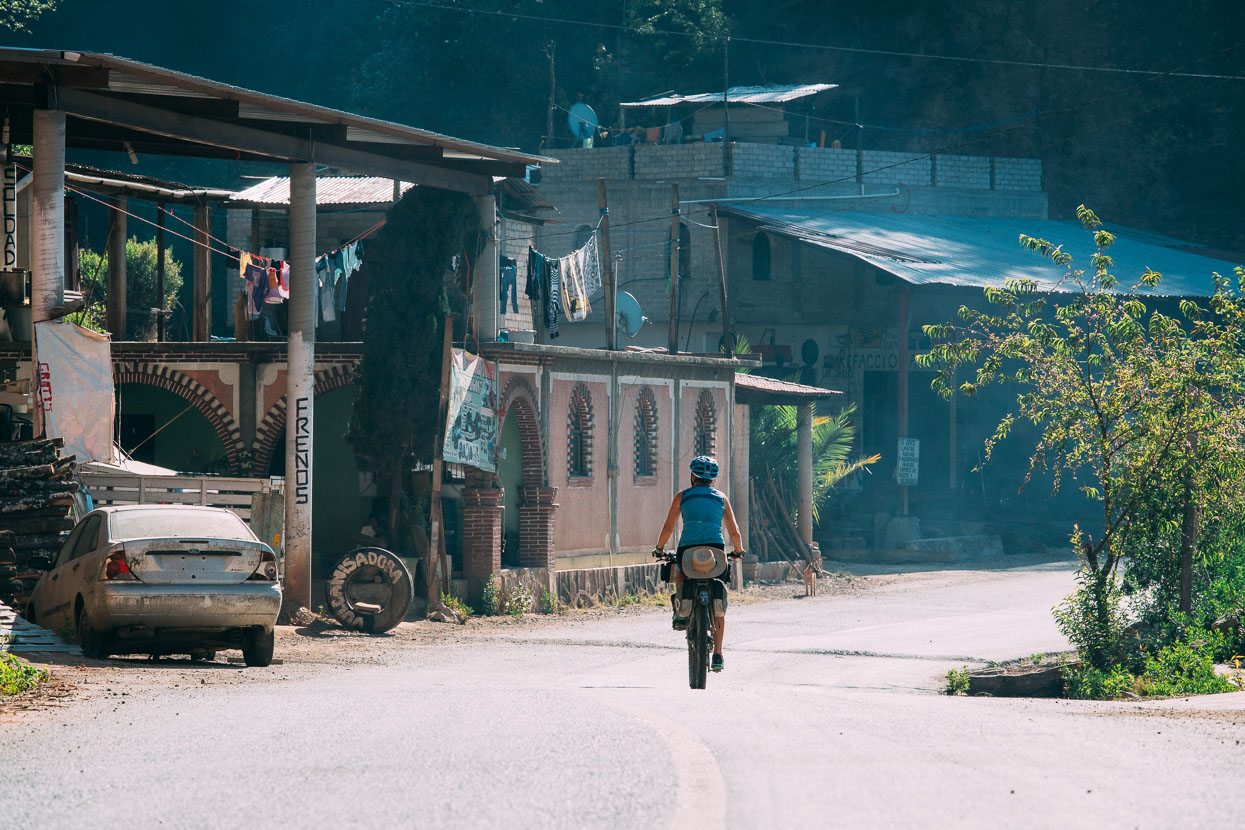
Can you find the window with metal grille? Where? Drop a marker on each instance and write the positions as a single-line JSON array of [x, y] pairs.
[[646, 434], [706, 424], [579, 433]]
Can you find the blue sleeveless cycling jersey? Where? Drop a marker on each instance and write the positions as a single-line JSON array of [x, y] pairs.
[[702, 509]]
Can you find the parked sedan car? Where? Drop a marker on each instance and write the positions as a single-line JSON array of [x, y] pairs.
[[162, 579]]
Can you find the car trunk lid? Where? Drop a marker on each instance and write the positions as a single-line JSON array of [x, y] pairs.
[[193, 561]]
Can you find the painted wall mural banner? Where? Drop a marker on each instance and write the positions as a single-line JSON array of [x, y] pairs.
[[75, 389], [471, 436]]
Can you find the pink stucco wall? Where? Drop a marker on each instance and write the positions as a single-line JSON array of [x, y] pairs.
[[583, 512], [643, 501]]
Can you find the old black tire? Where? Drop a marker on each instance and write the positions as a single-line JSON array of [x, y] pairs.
[[257, 648], [698, 647], [91, 640], [372, 575], [12, 587], [8, 571]]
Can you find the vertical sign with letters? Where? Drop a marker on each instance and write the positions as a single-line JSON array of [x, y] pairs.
[[10, 217], [908, 469], [302, 451]]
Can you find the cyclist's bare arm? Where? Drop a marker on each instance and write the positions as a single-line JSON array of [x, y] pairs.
[[672, 519], [732, 529]]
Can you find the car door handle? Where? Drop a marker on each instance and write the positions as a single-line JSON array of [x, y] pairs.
[[76, 565], [55, 577]]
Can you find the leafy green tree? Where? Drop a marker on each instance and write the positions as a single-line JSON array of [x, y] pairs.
[[18, 15], [395, 415], [1141, 410], [141, 286]]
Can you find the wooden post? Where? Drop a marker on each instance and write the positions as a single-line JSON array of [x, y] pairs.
[[202, 275], [160, 271], [116, 267], [607, 259], [728, 332], [672, 345], [436, 544]]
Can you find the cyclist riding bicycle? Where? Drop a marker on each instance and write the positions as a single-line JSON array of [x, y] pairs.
[[704, 511]]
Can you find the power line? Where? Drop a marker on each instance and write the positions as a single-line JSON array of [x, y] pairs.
[[892, 53]]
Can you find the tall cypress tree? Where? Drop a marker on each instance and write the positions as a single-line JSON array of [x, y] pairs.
[[394, 421]]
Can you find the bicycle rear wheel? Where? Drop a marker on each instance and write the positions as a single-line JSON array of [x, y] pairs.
[[698, 647]]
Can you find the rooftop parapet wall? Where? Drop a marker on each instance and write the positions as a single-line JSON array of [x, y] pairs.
[[800, 165]]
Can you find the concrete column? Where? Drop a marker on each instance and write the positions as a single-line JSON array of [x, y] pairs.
[[741, 470], [116, 266], [300, 386], [484, 285], [804, 469], [48, 226], [47, 251]]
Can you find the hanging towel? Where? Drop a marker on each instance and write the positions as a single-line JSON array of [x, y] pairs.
[[574, 301], [592, 268], [652, 135]]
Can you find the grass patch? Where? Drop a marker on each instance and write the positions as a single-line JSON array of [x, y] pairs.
[[17, 676]]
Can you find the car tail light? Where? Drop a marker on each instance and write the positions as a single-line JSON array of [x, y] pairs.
[[267, 570], [115, 566]]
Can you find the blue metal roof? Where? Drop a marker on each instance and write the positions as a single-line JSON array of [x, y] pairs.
[[963, 251]]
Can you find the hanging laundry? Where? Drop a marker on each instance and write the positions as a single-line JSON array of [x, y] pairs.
[[351, 259], [672, 133], [574, 299], [591, 267], [274, 283], [552, 280], [509, 280], [284, 286], [535, 266], [324, 289], [652, 135]]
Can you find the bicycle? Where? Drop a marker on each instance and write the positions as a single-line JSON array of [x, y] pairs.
[[704, 569]]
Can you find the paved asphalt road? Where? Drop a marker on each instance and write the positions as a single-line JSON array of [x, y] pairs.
[[828, 715]]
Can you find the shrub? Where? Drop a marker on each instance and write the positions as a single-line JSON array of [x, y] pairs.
[[455, 604], [17, 676], [519, 601], [957, 681], [489, 604]]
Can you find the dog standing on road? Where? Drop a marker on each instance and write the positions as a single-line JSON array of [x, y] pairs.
[[810, 579]]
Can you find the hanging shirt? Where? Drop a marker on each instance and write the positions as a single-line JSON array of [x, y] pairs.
[[324, 289], [274, 283], [351, 258], [535, 265], [574, 300]]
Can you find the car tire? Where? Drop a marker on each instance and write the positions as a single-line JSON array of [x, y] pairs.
[[91, 640], [8, 571], [12, 587], [381, 573], [257, 647]]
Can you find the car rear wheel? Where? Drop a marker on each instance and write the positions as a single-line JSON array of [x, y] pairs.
[[89, 638], [257, 647]]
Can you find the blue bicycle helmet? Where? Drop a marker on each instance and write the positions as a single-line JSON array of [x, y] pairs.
[[705, 466]]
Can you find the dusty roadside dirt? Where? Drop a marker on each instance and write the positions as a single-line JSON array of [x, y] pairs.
[[321, 645]]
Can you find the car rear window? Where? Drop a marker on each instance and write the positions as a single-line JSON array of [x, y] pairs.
[[178, 522]]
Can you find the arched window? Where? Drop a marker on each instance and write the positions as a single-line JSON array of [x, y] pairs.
[[646, 434], [579, 433], [706, 424], [760, 257]]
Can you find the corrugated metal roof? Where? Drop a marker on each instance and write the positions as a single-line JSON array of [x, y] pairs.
[[770, 387], [963, 251], [773, 94], [330, 190]]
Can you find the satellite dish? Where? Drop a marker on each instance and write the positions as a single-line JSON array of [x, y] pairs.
[[629, 315], [582, 121]]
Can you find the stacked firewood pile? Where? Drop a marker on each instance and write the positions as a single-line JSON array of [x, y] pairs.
[[36, 493], [774, 535]]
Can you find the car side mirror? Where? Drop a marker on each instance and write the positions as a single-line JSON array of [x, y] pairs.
[[39, 562]]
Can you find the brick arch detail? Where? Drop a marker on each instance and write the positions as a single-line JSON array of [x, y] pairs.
[[193, 392], [519, 397], [269, 430]]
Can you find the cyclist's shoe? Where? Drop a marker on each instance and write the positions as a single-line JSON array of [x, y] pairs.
[[680, 623], [718, 663]]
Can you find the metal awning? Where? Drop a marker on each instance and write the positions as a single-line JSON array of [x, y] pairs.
[[772, 94], [330, 190], [972, 252], [117, 104], [757, 389]]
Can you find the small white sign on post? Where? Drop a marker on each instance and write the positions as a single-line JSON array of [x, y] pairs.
[[908, 469]]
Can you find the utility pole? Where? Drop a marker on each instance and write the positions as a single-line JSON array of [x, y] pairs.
[[437, 537], [607, 257], [550, 48], [673, 343], [728, 334], [160, 271], [726, 103]]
